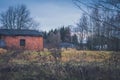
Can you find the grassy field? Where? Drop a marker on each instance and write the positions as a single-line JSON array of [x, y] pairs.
[[68, 64]]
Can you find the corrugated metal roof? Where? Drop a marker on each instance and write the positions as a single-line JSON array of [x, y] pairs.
[[16, 32]]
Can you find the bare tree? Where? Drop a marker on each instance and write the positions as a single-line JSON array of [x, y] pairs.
[[83, 28], [112, 5], [16, 17], [54, 39], [105, 27]]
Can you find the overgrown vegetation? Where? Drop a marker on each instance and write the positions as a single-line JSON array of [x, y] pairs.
[[70, 65]]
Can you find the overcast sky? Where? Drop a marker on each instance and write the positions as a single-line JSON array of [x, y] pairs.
[[49, 13]]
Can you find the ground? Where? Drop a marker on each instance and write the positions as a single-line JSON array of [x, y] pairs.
[[63, 64]]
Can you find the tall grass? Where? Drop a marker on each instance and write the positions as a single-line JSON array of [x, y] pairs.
[[68, 64]]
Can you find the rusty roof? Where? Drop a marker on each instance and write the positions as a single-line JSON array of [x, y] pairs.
[[16, 32]]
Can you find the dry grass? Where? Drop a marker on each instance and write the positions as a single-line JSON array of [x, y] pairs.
[[65, 56], [2, 51], [89, 56], [72, 65]]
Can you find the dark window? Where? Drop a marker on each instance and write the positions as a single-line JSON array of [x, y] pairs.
[[0, 37], [22, 42]]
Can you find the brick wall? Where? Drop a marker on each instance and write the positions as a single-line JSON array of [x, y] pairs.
[[31, 43]]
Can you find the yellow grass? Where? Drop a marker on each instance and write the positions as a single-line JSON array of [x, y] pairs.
[[2, 51], [89, 56], [47, 56]]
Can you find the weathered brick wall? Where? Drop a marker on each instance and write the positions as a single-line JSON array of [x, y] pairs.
[[31, 43]]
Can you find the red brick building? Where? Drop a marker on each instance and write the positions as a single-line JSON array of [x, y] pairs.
[[21, 39]]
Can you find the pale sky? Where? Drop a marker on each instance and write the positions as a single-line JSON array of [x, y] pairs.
[[49, 14]]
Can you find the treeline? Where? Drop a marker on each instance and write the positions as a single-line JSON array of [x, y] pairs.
[[100, 24], [98, 29], [103, 34], [53, 38]]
